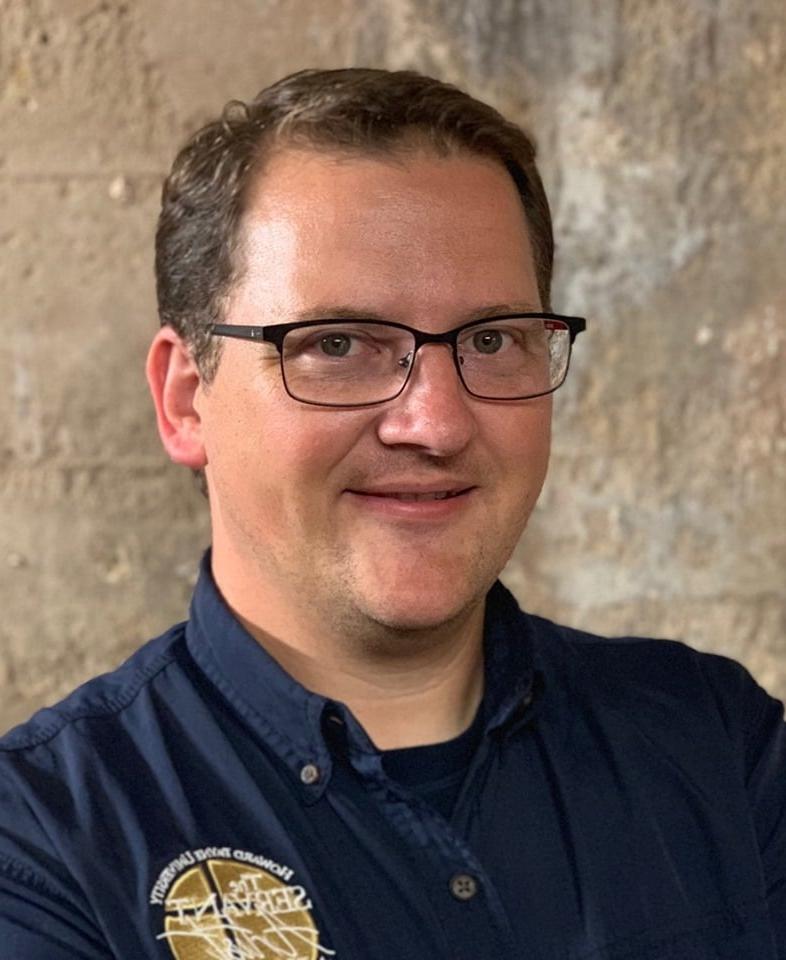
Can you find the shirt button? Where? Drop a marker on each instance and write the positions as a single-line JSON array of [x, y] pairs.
[[309, 774], [463, 886]]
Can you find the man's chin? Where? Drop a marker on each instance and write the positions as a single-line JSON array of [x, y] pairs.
[[412, 593], [416, 611]]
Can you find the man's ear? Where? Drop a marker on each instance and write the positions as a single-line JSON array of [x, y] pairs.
[[173, 378]]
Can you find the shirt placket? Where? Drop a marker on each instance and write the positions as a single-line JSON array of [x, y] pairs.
[[457, 884]]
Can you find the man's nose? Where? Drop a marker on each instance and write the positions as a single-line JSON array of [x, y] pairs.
[[434, 411]]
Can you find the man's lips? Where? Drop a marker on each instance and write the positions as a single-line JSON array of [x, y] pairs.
[[412, 495], [407, 504]]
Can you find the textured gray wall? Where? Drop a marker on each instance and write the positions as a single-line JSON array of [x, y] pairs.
[[662, 126]]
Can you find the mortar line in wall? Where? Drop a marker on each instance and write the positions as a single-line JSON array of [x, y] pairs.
[[54, 464], [79, 175]]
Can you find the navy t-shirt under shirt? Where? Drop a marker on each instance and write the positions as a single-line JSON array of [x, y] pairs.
[[435, 772]]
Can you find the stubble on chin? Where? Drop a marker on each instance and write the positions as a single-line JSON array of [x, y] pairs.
[[384, 610]]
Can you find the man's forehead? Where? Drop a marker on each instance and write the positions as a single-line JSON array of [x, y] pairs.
[[316, 196], [433, 240]]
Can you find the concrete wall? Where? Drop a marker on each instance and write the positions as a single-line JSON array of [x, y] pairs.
[[662, 126]]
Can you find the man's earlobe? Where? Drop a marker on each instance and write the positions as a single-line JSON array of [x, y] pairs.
[[174, 379]]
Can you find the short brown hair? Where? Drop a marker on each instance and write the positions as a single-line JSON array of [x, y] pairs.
[[363, 110]]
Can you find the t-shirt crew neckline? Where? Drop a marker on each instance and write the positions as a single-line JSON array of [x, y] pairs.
[[436, 771]]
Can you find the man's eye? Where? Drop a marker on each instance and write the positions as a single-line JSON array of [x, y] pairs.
[[488, 341], [336, 344]]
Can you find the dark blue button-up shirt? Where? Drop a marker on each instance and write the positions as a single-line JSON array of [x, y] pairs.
[[626, 800]]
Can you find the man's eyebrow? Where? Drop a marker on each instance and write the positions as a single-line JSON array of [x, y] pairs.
[[337, 312], [344, 312], [500, 309]]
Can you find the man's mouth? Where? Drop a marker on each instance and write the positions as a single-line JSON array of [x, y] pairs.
[[414, 495], [408, 504], [437, 495]]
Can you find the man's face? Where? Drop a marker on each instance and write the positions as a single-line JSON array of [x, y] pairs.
[[310, 503]]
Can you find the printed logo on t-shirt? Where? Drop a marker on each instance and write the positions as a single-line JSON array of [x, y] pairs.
[[225, 904]]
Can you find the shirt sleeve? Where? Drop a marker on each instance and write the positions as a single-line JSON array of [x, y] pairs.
[[43, 913], [766, 784], [37, 924]]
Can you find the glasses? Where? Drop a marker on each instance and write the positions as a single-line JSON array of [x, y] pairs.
[[353, 363]]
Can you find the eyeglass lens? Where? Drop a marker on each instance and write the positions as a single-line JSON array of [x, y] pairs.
[[360, 363]]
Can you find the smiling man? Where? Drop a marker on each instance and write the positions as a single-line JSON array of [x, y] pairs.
[[358, 746], [391, 513]]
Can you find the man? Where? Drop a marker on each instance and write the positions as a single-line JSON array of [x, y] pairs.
[[358, 746]]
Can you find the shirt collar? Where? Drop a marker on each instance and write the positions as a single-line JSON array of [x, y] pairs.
[[510, 681], [292, 720]]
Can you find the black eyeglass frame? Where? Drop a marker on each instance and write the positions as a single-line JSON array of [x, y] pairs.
[[275, 333]]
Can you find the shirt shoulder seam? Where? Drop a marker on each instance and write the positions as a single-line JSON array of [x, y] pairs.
[[112, 705]]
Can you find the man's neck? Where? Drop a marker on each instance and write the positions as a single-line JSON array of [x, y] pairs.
[[427, 699], [417, 687]]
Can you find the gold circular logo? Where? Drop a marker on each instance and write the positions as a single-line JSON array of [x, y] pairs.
[[227, 910]]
